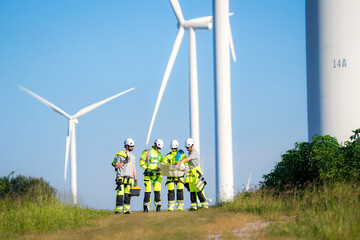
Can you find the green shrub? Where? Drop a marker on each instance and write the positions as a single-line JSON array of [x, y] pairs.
[[322, 160], [25, 186]]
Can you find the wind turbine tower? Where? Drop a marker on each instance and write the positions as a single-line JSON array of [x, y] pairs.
[[70, 139], [223, 126], [333, 67]]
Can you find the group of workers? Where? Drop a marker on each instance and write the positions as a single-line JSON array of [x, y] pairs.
[[150, 160]]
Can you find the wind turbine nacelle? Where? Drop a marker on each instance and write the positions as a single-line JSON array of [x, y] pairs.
[[75, 121], [197, 24]]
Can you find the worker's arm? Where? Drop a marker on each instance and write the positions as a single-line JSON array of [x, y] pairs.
[[143, 159], [134, 171], [120, 161], [184, 160], [119, 165]]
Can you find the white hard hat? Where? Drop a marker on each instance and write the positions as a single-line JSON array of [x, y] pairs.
[[189, 142], [174, 144], [159, 143], [129, 142]]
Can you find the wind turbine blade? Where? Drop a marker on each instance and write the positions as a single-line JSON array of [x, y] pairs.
[[231, 43], [169, 67], [248, 183], [44, 101], [177, 10], [68, 141], [203, 19], [98, 104]]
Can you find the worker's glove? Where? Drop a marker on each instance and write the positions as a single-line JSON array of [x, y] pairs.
[[126, 160], [135, 182], [149, 172]]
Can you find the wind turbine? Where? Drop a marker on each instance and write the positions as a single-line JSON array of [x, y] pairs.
[[191, 25], [70, 139]]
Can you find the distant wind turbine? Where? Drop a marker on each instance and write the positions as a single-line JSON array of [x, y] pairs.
[[191, 25], [248, 183], [70, 139]]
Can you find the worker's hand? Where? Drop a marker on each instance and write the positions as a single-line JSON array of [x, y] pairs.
[[117, 165], [185, 169], [158, 169], [148, 170], [179, 163], [135, 182]]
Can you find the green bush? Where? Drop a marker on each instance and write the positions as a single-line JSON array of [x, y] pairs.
[[25, 186], [322, 160]]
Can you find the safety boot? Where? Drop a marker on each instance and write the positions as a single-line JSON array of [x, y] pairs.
[[158, 208], [204, 205], [127, 212], [146, 208], [118, 209]]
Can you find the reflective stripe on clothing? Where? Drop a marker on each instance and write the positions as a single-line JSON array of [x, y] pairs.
[[171, 205], [204, 205], [194, 205], [150, 159], [118, 208], [126, 208], [196, 179]]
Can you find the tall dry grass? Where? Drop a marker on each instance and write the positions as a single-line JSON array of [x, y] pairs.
[[326, 212]]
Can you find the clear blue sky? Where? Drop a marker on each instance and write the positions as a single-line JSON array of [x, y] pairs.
[[75, 53]]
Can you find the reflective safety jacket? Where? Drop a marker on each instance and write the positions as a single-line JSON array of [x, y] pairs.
[[151, 159], [174, 157], [121, 153]]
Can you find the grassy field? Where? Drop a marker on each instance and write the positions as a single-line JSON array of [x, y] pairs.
[[203, 224], [328, 212], [19, 216]]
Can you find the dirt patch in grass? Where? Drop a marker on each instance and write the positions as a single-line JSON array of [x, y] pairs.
[[203, 224]]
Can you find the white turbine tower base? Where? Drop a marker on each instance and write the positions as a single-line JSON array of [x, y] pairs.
[[70, 139], [333, 72]]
